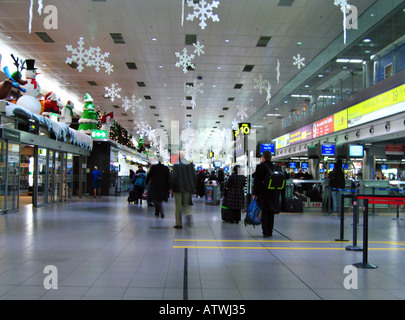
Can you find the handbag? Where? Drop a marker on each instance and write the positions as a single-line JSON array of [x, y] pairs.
[[254, 214]]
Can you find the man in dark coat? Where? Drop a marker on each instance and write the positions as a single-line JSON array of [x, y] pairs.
[[183, 184], [268, 199], [159, 182]]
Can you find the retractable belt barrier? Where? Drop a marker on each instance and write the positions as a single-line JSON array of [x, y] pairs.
[[373, 199]]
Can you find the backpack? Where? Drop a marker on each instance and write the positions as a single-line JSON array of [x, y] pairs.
[[254, 214], [275, 179]]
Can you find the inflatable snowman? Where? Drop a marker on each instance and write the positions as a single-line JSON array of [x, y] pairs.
[[29, 100], [67, 113]]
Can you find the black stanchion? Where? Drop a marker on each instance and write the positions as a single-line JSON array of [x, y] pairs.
[[365, 264], [342, 218], [354, 247]]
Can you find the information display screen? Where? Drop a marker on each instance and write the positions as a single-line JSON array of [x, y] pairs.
[[356, 151], [328, 150]]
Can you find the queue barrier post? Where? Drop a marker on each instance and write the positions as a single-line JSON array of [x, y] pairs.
[[354, 247], [342, 218], [365, 264]]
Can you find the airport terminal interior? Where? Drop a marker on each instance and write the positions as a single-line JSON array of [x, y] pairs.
[[118, 88]]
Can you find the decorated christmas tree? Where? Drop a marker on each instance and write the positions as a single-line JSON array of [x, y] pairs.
[[120, 134], [89, 119]]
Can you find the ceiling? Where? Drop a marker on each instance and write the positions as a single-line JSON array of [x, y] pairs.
[[152, 32]]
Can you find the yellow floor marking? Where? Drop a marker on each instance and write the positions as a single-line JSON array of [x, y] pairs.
[[282, 241], [277, 248]]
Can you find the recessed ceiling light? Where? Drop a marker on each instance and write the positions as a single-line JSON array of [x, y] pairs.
[[320, 76], [367, 40], [227, 40], [8, 37], [154, 39], [219, 68], [299, 43]]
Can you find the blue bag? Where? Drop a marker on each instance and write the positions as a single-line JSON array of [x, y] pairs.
[[254, 214]]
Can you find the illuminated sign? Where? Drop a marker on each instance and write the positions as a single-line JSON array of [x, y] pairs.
[[99, 134]]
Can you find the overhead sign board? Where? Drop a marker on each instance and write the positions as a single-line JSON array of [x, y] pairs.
[[99, 134]]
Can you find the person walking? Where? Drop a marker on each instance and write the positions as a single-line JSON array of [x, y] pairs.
[[234, 195], [147, 186], [97, 177], [268, 199], [183, 183], [139, 184], [336, 182], [158, 179]]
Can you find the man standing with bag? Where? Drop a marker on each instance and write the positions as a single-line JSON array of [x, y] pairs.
[[268, 199]]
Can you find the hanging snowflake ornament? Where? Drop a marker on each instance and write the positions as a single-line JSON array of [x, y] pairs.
[[31, 12], [133, 104], [278, 71], [113, 92], [235, 124], [343, 6], [202, 11], [260, 83], [199, 48], [143, 129], [91, 57], [268, 91], [299, 61], [242, 113], [185, 60]]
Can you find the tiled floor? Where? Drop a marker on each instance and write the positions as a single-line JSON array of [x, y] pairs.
[[104, 249]]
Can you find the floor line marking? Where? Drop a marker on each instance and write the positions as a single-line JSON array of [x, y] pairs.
[[280, 248], [282, 241]]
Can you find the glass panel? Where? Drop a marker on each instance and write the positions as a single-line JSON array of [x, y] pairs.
[[58, 171], [51, 176], [42, 168], [7, 122], [68, 175], [3, 154], [13, 169]]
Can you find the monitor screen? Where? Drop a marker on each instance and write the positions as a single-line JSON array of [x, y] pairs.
[[217, 164], [328, 150], [304, 165], [267, 147], [384, 167], [356, 151], [293, 165]]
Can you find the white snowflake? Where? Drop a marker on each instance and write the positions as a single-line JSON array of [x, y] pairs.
[[343, 6], [40, 7], [113, 92], [185, 60], [143, 128], [268, 91], [132, 104], [199, 48], [260, 83], [91, 57], [278, 71], [299, 61], [80, 55], [242, 112], [193, 91], [235, 124], [203, 11]]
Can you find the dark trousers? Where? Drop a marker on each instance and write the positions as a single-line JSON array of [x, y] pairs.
[[267, 222]]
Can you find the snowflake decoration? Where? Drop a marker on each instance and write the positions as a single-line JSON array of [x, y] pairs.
[[242, 112], [343, 6], [143, 129], [185, 60], [299, 61], [203, 11], [132, 104], [260, 84], [199, 48], [235, 124], [97, 59], [263, 85], [40, 7], [193, 91], [278, 71], [91, 57], [113, 92]]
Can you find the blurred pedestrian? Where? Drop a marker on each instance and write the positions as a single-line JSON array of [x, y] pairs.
[[97, 178], [159, 180]]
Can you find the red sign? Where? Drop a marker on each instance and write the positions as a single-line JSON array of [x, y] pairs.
[[394, 149], [323, 127]]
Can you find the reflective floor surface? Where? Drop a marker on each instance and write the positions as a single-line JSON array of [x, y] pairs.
[[106, 249]]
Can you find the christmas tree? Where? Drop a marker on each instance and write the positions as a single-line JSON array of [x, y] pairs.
[[120, 134], [89, 119]]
